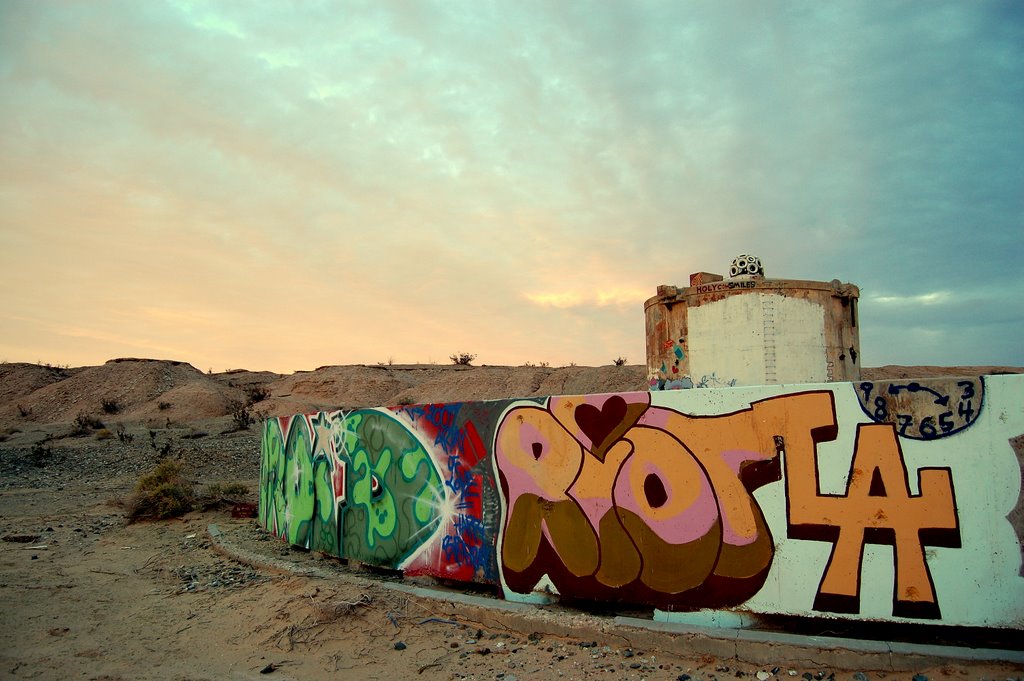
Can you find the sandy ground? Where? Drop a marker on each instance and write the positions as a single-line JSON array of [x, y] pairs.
[[85, 595], [96, 598]]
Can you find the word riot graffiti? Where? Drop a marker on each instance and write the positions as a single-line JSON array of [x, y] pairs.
[[658, 499]]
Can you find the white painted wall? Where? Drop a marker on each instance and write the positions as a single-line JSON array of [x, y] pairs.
[[757, 338]]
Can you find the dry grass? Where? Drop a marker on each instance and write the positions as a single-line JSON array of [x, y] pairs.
[[162, 493]]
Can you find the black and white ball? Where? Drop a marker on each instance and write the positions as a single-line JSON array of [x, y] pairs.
[[746, 265]]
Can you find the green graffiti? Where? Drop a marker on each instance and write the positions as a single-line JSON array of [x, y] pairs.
[[392, 495], [387, 526], [271, 504], [325, 527], [298, 484]]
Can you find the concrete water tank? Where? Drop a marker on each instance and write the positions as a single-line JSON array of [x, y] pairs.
[[750, 330]]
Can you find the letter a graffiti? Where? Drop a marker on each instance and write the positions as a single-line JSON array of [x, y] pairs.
[[877, 508]]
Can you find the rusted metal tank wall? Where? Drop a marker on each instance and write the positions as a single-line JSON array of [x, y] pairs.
[[751, 331]]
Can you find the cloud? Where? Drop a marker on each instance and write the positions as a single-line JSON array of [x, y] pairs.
[[395, 169]]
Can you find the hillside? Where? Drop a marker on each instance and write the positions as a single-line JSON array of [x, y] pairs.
[[164, 391]]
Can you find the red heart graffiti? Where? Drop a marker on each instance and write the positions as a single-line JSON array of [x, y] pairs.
[[598, 424]]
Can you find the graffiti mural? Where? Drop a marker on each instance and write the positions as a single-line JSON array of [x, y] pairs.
[[615, 499], [364, 485], [811, 501]]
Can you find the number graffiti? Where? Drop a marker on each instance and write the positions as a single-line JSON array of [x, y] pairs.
[[923, 412]]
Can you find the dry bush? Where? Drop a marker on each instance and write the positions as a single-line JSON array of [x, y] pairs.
[[462, 358], [162, 493]]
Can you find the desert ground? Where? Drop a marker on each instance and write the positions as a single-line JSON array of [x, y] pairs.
[[86, 594]]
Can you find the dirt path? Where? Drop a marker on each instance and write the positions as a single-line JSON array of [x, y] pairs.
[[90, 597]]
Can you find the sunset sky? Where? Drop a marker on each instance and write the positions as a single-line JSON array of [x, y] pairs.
[[276, 185]]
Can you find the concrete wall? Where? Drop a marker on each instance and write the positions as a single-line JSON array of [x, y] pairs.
[[889, 501]]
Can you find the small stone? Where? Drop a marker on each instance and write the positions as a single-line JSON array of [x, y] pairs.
[[399, 645], [635, 665], [776, 670], [484, 651], [792, 672], [860, 676], [683, 677], [919, 677], [471, 640], [35, 557], [628, 653], [763, 675], [510, 677], [808, 676]]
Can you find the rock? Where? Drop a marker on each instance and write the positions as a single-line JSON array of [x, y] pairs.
[[399, 645], [860, 676], [919, 677], [763, 675]]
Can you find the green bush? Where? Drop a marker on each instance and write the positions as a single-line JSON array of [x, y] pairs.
[[162, 493]]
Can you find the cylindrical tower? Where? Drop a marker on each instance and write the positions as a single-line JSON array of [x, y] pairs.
[[749, 330]]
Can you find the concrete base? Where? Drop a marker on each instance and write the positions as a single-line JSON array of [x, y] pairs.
[[747, 645]]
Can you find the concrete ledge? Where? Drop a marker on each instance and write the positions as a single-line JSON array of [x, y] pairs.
[[747, 645], [762, 647]]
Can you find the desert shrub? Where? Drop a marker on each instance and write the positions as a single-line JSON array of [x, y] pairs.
[[104, 434], [40, 454], [162, 493], [256, 393], [24, 412], [620, 361], [163, 450], [110, 405], [164, 406], [84, 423], [241, 416], [462, 358], [123, 435]]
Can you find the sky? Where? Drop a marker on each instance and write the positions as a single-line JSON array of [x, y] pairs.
[[282, 186]]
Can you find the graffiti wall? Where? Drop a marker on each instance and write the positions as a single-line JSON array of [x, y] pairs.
[[894, 501]]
